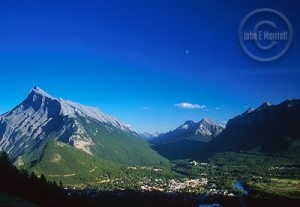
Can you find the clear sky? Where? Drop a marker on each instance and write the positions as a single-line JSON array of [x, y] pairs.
[[140, 61]]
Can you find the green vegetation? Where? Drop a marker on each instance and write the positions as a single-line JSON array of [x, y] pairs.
[[17, 188], [76, 168], [279, 187], [185, 168], [60, 161], [261, 173], [119, 146], [264, 175]]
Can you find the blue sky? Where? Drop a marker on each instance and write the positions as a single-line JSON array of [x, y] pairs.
[[136, 60]]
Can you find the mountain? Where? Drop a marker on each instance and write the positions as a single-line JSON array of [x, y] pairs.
[[147, 135], [269, 128], [202, 131], [188, 140], [40, 118]]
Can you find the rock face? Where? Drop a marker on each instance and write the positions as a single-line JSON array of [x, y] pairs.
[[203, 131], [25, 130]]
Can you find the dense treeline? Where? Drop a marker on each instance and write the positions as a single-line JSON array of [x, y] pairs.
[[31, 187]]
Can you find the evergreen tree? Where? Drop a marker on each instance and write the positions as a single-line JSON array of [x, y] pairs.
[[4, 160], [61, 186]]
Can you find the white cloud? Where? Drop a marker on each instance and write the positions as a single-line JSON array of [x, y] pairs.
[[186, 105], [128, 125], [145, 108]]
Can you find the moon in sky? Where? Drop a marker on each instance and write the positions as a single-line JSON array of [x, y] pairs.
[[187, 51]]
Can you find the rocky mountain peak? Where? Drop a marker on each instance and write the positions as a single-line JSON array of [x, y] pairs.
[[203, 131], [189, 122], [41, 117]]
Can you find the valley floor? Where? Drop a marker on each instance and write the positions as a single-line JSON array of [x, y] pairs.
[[270, 181]]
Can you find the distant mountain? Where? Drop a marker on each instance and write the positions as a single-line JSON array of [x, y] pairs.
[[269, 128], [40, 118], [202, 131], [147, 135], [188, 140]]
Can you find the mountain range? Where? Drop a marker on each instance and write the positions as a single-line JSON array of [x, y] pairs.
[[61, 138], [267, 129]]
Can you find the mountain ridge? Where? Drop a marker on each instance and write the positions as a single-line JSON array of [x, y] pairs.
[[269, 127]]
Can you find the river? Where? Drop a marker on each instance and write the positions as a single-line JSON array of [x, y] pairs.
[[240, 186]]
